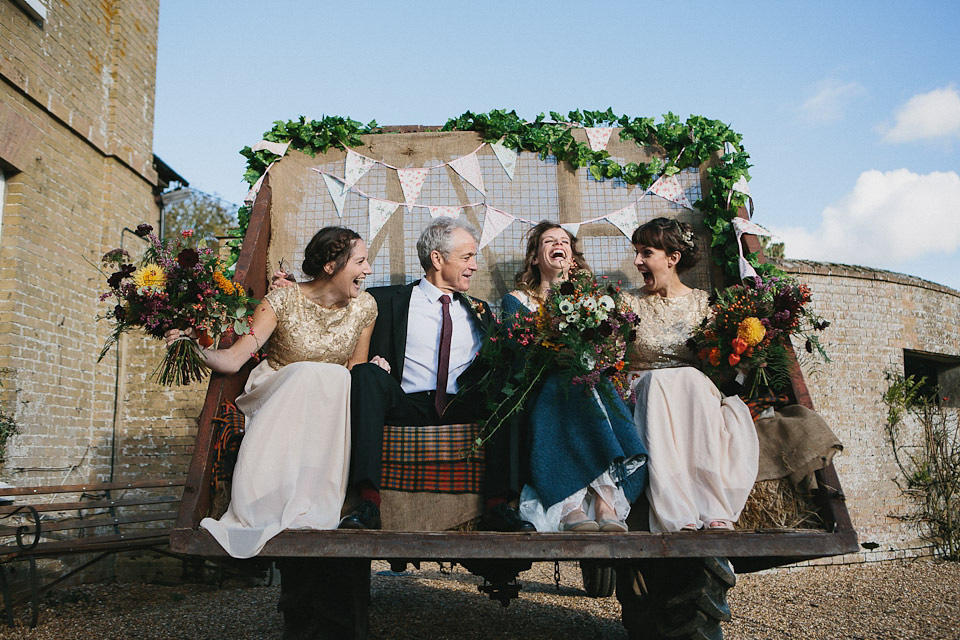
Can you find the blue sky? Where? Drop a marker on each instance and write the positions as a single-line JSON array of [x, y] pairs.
[[850, 110]]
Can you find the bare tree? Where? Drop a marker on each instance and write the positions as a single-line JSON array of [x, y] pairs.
[[208, 215]]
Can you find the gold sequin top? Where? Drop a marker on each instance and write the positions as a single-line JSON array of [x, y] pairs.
[[665, 326], [308, 332]]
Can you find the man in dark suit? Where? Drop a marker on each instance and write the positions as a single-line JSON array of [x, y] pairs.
[[429, 331]]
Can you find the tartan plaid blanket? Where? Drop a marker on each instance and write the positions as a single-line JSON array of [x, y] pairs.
[[434, 459], [227, 434], [758, 404]]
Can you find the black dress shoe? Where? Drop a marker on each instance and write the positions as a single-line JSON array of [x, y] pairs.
[[505, 518], [365, 516]]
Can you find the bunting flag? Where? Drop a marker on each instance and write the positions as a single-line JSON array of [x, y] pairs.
[[255, 189], [625, 219], [411, 181], [728, 148], [494, 222], [668, 187], [742, 226], [573, 228], [506, 156], [450, 212], [742, 186], [468, 167], [337, 192], [598, 137], [379, 211], [357, 165], [276, 148]]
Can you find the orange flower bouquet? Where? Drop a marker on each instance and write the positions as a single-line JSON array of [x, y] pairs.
[[748, 333], [174, 286]]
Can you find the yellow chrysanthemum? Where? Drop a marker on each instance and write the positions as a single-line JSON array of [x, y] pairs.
[[751, 331], [150, 275], [223, 284]]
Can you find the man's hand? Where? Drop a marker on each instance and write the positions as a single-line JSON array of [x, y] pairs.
[[380, 362], [281, 279]]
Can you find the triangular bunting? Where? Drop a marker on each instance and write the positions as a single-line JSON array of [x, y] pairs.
[[380, 211], [573, 228], [411, 181], [468, 167], [740, 227], [255, 189], [742, 186], [625, 219], [598, 137], [337, 193], [356, 166], [450, 212], [668, 187], [494, 222], [276, 148], [506, 156]]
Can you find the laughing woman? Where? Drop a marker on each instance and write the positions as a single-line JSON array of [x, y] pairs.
[[585, 456], [703, 446], [291, 470]]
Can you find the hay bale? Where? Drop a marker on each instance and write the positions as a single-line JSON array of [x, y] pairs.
[[778, 504]]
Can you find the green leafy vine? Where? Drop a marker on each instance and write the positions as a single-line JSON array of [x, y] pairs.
[[676, 145]]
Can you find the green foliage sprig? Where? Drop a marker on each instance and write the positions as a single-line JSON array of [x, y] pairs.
[[8, 425], [676, 145], [925, 437]]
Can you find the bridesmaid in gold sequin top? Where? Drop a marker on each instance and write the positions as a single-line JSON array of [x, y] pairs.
[[703, 446], [291, 470]]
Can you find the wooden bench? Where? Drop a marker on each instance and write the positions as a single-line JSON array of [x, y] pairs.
[[94, 518]]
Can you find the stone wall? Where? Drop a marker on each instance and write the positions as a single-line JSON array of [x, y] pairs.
[[875, 315]]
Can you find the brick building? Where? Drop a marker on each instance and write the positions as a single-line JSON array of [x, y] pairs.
[[881, 321], [77, 85]]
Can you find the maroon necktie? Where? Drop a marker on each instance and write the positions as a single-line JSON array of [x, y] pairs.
[[443, 361]]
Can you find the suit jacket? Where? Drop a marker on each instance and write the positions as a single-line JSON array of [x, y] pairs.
[[389, 339]]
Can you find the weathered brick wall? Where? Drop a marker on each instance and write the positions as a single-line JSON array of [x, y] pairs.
[[874, 316], [76, 132]]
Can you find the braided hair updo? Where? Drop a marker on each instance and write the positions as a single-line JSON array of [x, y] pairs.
[[330, 244], [669, 234]]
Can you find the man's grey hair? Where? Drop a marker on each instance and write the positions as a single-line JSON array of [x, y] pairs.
[[438, 236]]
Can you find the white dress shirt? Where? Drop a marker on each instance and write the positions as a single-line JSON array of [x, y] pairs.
[[423, 340]]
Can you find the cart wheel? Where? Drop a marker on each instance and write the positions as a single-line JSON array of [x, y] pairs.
[[681, 599], [599, 580]]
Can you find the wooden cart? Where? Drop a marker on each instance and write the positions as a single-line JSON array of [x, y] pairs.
[[671, 583]]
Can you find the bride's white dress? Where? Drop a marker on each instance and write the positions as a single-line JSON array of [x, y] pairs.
[[291, 470], [703, 448]]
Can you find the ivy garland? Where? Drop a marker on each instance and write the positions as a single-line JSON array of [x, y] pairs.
[[677, 145]]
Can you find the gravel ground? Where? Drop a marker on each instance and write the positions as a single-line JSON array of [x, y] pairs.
[[901, 599]]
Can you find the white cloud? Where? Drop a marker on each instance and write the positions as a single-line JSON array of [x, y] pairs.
[[926, 116], [830, 100], [888, 219]]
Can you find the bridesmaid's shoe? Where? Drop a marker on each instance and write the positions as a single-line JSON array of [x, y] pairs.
[[577, 520], [612, 526], [688, 527], [720, 525]]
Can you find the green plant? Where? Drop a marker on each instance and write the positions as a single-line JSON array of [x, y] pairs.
[[925, 436], [8, 426], [675, 144]]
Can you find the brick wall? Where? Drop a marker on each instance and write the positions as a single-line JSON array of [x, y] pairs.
[[875, 315], [76, 133]]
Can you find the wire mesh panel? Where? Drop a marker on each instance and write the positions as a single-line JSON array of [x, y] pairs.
[[541, 189]]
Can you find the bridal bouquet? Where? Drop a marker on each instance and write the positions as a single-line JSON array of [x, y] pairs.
[[580, 331], [748, 333], [174, 286]]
